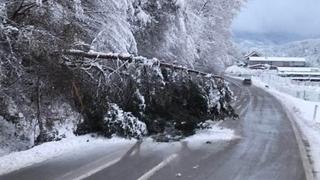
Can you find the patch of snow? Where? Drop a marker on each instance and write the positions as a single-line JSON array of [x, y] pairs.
[[3, 12], [143, 17], [119, 121], [39, 2], [213, 98], [142, 105], [64, 119], [238, 71], [46, 151], [212, 134], [78, 8], [180, 3]]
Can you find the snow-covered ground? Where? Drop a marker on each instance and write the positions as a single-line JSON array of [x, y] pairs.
[[304, 90], [47, 151], [214, 133], [305, 112], [50, 150]]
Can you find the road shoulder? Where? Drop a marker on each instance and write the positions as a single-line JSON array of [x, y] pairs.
[[301, 139]]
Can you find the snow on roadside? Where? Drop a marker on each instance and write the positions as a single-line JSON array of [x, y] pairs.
[[38, 154], [304, 116], [212, 134], [304, 90], [238, 71], [50, 150]]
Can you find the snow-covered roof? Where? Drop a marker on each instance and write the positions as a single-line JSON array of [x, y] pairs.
[[298, 69], [284, 59], [252, 54], [300, 73], [307, 78]]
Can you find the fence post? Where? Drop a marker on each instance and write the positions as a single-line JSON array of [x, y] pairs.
[[315, 112]]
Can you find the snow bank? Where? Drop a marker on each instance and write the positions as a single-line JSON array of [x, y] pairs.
[[46, 151], [212, 134], [200, 140], [238, 71], [304, 116]]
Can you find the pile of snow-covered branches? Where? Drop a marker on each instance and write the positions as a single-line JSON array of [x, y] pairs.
[[163, 97]]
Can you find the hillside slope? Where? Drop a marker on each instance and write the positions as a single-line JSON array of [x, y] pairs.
[[47, 94]]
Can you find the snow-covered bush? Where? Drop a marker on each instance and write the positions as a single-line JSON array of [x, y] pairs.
[[161, 97], [121, 123]]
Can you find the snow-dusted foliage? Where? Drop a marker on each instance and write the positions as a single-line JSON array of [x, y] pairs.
[[39, 2], [121, 123], [161, 97], [114, 33], [78, 9], [190, 32], [46, 94]]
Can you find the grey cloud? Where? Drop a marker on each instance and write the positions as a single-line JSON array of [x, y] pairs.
[[301, 17]]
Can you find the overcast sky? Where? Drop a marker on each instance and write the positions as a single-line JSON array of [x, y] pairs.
[[301, 17]]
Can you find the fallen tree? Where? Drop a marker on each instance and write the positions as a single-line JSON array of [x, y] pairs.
[[169, 99], [130, 58]]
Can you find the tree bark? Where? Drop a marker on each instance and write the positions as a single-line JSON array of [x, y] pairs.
[[40, 122]]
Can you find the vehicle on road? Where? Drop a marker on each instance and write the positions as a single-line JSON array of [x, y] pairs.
[[247, 81]]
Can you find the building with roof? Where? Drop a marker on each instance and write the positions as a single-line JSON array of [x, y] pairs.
[[300, 73], [252, 54], [277, 61]]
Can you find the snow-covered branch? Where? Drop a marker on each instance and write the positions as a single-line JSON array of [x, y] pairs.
[[129, 58], [91, 54]]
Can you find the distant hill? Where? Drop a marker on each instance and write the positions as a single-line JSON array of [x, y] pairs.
[[271, 38], [309, 48]]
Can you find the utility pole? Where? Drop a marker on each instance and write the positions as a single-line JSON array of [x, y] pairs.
[[315, 112]]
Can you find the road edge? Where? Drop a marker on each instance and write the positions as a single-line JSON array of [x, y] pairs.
[[300, 138], [306, 161]]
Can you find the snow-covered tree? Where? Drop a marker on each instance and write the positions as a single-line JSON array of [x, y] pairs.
[[43, 88], [189, 32]]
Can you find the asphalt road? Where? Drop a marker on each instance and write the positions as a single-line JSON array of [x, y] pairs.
[[265, 150]]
